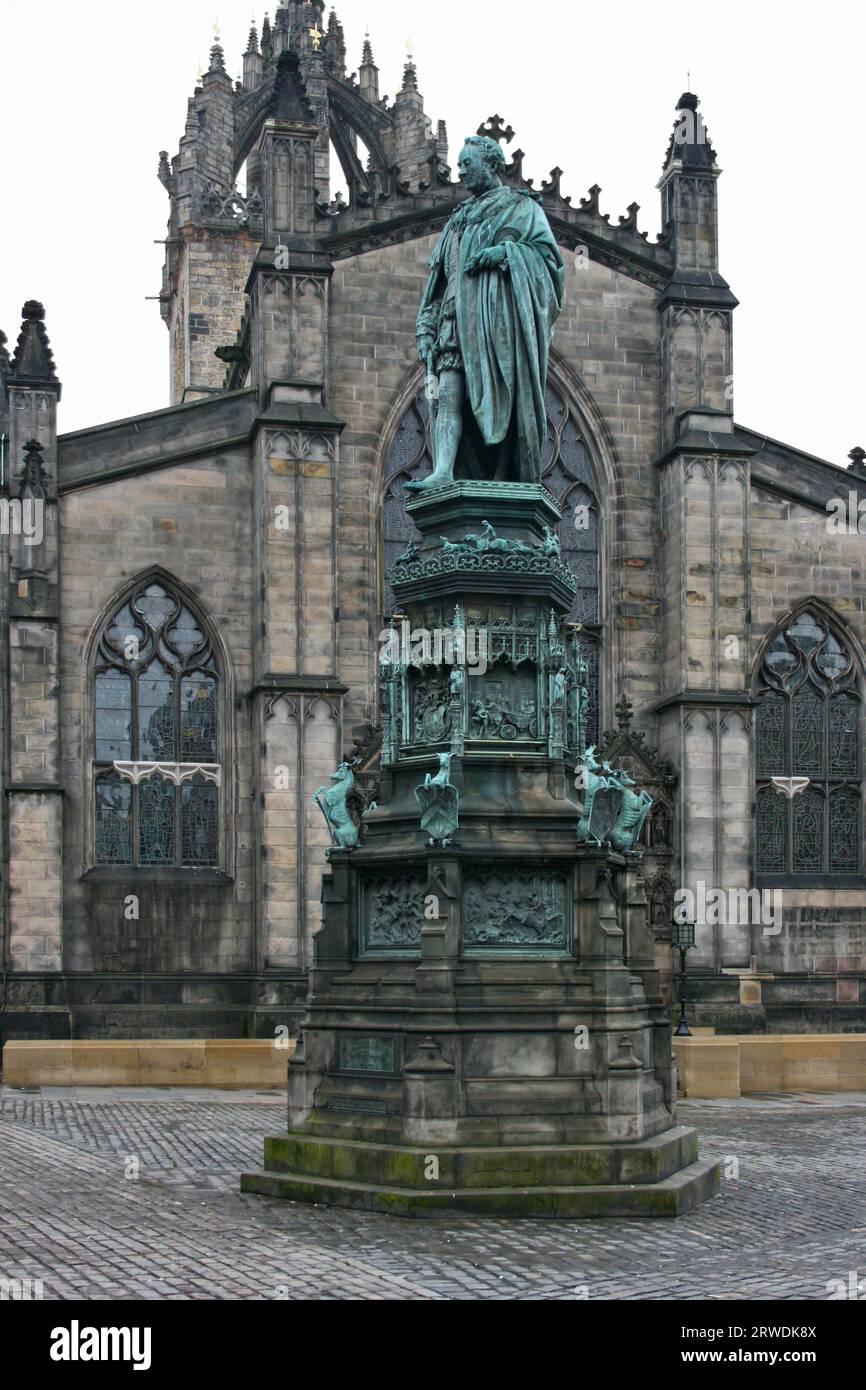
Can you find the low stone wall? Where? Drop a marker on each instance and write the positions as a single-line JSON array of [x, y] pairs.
[[230, 1064], [708, 1066], [712, 1067]]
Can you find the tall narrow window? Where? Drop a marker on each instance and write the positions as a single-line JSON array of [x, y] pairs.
[[808, 758], [567, 472], [157, 771]]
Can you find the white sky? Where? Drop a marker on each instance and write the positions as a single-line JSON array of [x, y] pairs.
[[92, 92]]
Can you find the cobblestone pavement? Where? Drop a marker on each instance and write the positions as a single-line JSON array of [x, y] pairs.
[[791, 1216]]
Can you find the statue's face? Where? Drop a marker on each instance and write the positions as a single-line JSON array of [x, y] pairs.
[[473, 171]]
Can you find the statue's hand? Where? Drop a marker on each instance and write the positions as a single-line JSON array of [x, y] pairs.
[[425, 347], [490, 258]]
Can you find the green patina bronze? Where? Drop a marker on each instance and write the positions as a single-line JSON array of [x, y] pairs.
[[612, 811], [333, 804], [496, 288], [438, 800]]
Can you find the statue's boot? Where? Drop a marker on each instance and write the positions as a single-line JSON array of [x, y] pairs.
[[438, 478]]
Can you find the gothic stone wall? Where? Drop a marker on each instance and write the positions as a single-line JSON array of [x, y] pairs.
[[208, 307], [817, 960], [195, 522], [795, 557]]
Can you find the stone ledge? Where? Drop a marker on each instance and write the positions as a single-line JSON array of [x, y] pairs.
[[230, 1064], [713, 1067], [673, 1196], [304, 1156]]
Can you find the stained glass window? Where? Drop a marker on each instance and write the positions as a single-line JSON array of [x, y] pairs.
[[156, 815], [113, 820], [156, 700], [772, 819], [808, 728], [113, 716], [199, 810], [772, 716], [567, 472]]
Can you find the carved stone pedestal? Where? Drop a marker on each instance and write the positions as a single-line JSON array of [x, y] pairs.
[[485, 1031]]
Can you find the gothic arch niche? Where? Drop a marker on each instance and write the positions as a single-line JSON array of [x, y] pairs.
[[808, 752], [567, 471], [157, 765]]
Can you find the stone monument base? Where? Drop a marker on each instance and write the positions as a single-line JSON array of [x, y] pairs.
[[486, 1032], [656, 1177]]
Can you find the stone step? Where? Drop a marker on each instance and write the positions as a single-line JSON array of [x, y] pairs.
[[303, 1155], [672, 1196]]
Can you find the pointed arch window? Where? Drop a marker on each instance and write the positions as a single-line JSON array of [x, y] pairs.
[[567, 472], [157, 746], [808, 755]]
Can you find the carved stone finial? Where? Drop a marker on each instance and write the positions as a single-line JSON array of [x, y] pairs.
[[34, 478], [267, 40], [553, 187], [858, 461], [164, 173], [217, 58], [495, 130], [690, 140], [625, 1059], [410, 75], [33, 362], [629, 222], [590, 204]]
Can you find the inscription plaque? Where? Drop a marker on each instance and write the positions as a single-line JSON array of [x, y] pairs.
[[375, 1056]]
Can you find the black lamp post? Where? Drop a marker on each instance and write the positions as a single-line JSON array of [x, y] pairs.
[[682, 939]]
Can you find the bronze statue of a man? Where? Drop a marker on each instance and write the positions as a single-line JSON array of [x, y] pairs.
[[496, 288]]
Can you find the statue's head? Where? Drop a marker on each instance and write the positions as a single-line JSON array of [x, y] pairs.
[[481, 163]]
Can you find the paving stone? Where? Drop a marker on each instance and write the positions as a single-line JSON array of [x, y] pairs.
[[792, 1218]]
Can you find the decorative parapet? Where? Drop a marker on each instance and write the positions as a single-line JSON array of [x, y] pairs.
[[233, 208], [462, 560]]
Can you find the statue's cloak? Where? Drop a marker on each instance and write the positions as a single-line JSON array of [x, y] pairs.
[[504, 321]]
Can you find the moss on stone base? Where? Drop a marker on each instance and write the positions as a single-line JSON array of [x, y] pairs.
[[495, 1167], [671, 1196]]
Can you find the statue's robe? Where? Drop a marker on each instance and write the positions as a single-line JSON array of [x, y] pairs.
[[504, 322]]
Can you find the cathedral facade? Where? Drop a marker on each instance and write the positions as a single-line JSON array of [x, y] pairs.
[[193, 600]]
